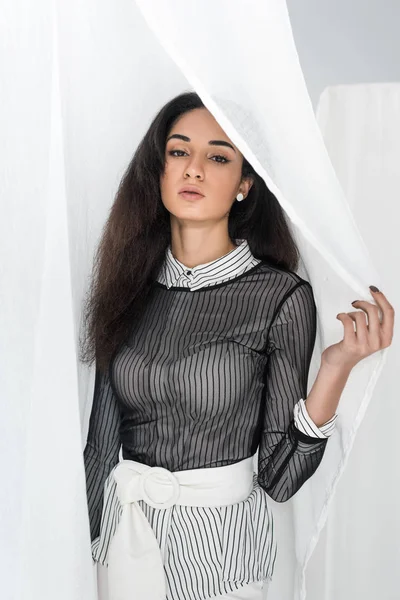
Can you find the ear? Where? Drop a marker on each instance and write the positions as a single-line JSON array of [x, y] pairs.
[[245, 186]]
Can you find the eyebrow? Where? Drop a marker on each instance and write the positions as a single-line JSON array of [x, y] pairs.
[[211, 142]]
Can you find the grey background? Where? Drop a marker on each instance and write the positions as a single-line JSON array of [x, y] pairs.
[[346, 41]]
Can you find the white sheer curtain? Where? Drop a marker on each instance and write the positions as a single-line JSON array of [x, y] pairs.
[[358, 553], [81, 82], [44, 546]]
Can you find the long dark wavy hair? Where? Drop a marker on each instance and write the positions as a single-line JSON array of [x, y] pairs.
[[137, 233]]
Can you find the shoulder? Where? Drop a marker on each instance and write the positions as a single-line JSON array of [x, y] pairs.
[[288, 297], [282, 282]]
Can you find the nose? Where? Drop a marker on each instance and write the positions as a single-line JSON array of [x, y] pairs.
[[196, 176], [194, 169]]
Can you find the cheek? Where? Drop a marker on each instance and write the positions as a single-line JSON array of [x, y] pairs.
[[164, 178], [227, 184], [167, 177], [168, 184]]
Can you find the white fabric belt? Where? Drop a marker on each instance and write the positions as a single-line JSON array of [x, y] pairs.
[[135, 565]]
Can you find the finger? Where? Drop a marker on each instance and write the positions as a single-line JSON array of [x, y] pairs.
[[361, 332], [374, 323], [349, 333], [388, 315]]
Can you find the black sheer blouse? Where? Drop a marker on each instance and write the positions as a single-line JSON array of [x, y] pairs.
[[206, 378]]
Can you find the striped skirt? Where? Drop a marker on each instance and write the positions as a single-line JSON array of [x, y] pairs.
[[207, 551]]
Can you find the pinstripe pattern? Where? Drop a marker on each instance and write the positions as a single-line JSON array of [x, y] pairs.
[[304, 422], [216, 369], [237, 261], [201, 557]]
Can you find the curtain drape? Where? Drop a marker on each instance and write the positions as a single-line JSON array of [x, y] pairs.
[[358, 552], [81, 83]]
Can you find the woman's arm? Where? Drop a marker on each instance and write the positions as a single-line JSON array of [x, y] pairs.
[[326, 391], [102, 447], [287, 455], [358, 342]]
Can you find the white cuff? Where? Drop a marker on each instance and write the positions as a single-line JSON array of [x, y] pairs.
[[306, 425]]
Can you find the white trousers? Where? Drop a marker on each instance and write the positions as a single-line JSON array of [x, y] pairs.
[[253, 591]]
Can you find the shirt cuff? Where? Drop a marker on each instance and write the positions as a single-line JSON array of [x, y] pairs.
[[306, 425]]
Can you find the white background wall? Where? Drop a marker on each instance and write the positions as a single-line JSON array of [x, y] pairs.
[[346, 41]]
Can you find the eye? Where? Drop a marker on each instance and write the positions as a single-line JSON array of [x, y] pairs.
[[226, 160], [223, 162], [172, 152]]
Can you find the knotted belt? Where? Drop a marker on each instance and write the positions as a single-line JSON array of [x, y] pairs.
[[135, 564]]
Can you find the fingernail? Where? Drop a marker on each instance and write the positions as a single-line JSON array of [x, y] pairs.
[[373, 288], [354, 301]]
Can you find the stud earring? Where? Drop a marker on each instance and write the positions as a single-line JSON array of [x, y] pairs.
[[239, 197]]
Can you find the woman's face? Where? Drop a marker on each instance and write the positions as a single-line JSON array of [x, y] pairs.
[[214, 168]]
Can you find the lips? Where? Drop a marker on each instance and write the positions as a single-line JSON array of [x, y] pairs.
[[194, 194], [191, 196], [191, 193], [191, 190]]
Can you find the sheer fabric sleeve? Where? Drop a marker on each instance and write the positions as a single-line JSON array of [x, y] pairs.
[[287, 456], [102, 447]]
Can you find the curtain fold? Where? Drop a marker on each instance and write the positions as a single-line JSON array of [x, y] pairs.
[[359, 124], [81, 83]]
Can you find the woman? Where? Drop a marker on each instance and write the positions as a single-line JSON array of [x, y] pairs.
[[202, 334]]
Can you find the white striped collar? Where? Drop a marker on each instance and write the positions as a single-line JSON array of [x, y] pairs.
[[234, 263]]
